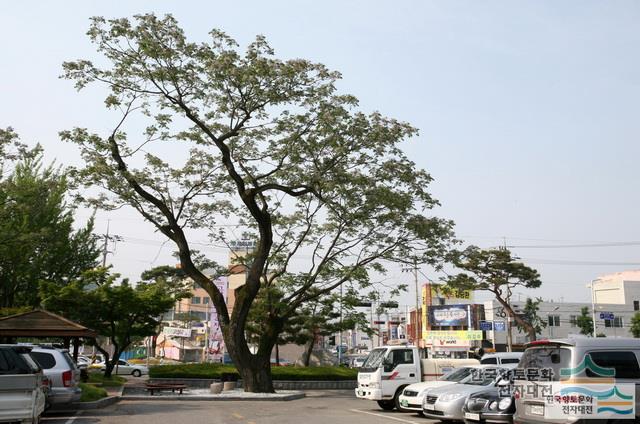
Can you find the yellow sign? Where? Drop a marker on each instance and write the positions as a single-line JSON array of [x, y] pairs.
[[450, 293], [454, 334]]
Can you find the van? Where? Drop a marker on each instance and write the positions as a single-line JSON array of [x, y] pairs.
[[501, 358], [605, 371]]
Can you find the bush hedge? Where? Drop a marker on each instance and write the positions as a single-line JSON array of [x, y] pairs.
[[216, 371]]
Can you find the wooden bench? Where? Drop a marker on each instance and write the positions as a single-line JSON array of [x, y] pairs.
[[159, 387]]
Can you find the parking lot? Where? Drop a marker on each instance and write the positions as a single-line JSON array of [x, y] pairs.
[[319, 407]]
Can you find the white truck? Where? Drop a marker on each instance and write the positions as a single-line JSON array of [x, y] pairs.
[[22, 386], [389, 369]]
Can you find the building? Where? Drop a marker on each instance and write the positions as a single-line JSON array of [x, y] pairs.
[[616, 298]]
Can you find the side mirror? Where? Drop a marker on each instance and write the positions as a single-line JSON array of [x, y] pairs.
[[387, 364], [503, 382]]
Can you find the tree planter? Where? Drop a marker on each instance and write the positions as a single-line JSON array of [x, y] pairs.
[[229, 385], [216, 388]]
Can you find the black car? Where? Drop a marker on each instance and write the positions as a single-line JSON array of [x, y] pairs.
[[490, 405]]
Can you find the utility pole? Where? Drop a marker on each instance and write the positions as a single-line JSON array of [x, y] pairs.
[[414, 268], [105, 244]]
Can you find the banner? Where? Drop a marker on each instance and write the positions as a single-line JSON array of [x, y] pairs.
[[176, 332], [449, 315], [426, 300], [216, 340], [454, 335]]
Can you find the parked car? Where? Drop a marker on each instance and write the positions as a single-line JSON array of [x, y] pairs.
[[281, 363], [83, 362], [582, 359], [445, 403], [413, 395], [501, 358], [125, 368], [489, 406], [23, 386], [61, 371]]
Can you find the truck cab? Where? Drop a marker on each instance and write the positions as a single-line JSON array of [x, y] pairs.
[[389, 369]]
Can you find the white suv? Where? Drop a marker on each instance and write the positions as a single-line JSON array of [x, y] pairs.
[[62, 373]]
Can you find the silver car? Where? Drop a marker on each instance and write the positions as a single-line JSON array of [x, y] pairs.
[[445, 403], [62, 373]]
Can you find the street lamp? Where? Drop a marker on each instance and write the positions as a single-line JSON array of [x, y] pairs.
[[593, 305]]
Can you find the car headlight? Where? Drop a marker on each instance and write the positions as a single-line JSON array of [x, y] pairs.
[[448, 397], [493, 405], [504, 403]]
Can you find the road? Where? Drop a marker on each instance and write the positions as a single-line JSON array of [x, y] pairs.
[[319, 407]]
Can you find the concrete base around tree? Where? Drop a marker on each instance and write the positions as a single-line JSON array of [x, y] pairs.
[[277, 384], [205, 394]]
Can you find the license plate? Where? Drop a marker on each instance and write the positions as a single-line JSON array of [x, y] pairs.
[[429, 407], [404, 402], [471, 416], [536, 409]]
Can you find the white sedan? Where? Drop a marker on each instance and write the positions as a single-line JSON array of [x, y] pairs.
[[412, 396], [125, 368]]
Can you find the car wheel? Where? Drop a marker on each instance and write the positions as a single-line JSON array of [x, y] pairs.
[[136, 373], [387, 405]]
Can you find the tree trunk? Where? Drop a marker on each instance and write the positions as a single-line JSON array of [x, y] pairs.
[[306, 360], [277, 355]]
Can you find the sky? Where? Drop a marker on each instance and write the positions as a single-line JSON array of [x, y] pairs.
[[527, 111]]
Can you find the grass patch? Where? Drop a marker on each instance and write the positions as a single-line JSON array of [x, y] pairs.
[[215, 371], [99, 378], [91, 393]]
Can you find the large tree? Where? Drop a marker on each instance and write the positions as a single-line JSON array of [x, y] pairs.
[[530, 315], [498, 272], [37, 236], [267, 145], [115, 309], [585, 322]]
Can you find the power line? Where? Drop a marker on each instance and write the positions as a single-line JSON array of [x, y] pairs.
[[572, 246]]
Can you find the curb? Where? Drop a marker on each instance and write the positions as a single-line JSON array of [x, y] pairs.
[[100, 403]]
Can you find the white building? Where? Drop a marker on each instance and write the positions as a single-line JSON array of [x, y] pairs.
[[617, 294]]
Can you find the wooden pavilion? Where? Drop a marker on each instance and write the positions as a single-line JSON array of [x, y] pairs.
[[42, 324]]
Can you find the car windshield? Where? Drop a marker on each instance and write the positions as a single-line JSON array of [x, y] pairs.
[[374, 360], [458, 374], [553, 357]]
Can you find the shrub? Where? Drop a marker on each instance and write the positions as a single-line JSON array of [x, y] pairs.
[[97, 378], [91, 393]]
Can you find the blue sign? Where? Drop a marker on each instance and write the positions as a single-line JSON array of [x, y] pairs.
[[486, 325], [606, 315], [499, 326]]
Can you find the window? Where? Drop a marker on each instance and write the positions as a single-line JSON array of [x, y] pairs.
[[195, 300], [492, 360], [636, 305], [624, 363], [510, 361], [402, 356], [615, 322], [206, 300], [45, 360], [554, 320], [573, 319]]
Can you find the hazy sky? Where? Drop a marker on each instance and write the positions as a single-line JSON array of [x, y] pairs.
[[528, 111]]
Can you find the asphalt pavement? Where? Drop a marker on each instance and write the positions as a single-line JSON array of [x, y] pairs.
[[319, 407]]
